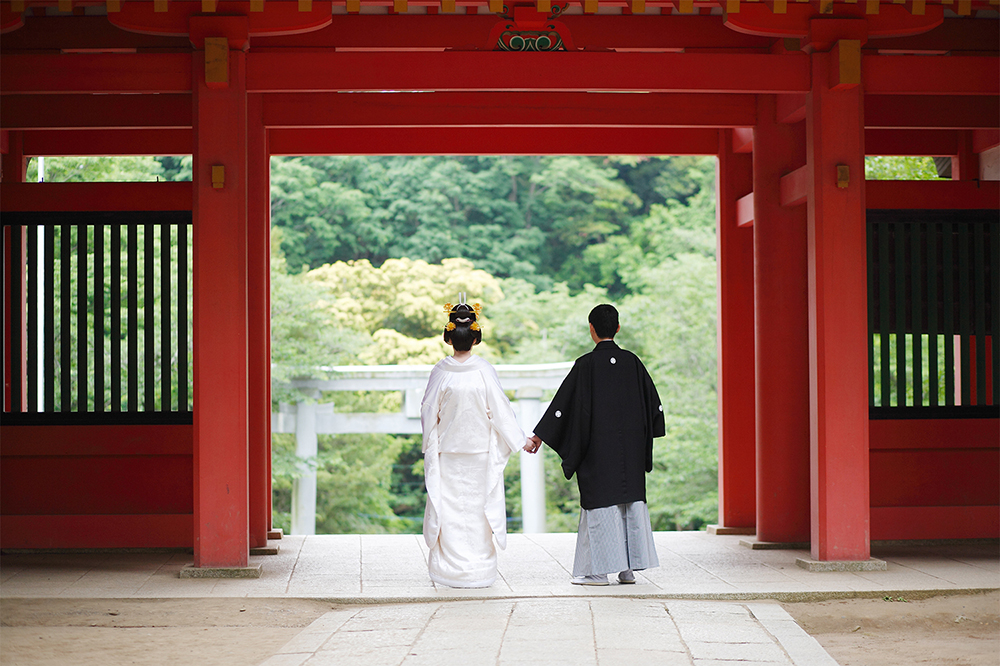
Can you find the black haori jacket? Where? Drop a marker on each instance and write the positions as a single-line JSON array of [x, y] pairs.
[[602, 422]]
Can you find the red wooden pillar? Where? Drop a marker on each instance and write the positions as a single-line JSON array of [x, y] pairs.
[[965, 165], [220, 292], [838, 376], [781, 332], [14, 169], [734, 257], [259, 320]]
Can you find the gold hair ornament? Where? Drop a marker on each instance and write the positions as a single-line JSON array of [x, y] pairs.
[[450, 326]]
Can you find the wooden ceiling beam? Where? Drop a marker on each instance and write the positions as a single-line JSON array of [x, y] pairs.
[[91, 142], [907, 143], [931, 112], [506, 110], [284, 71], [952, 75], [143, 73], [487, 141], [291, 70], [40, 112]]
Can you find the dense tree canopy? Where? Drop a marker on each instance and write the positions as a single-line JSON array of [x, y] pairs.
[[374, 246]]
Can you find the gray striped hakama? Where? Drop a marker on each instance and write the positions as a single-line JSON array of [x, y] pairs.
[[613, 539]]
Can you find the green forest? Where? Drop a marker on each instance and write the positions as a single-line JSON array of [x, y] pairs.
[[365, 250]]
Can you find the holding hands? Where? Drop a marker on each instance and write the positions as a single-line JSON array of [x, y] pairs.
[[534, 443]]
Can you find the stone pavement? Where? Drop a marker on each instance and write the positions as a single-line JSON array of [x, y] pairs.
[[571, 631], [710, 602]]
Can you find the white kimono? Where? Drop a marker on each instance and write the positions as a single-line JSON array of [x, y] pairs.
[[469, 433]]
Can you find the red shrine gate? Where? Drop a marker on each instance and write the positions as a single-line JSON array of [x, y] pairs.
[[829, 447]]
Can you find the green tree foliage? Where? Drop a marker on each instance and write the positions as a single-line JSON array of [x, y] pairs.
[[878, 167], [539, 241], [97, 169]]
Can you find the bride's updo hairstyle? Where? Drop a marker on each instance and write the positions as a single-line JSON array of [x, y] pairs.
[[462, 330]]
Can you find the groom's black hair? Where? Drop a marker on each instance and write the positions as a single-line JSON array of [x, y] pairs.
[[605, 320]]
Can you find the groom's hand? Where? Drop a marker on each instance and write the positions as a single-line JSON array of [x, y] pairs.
[[533, 444]]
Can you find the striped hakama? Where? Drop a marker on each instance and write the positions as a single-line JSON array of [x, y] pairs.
[[614, 538]]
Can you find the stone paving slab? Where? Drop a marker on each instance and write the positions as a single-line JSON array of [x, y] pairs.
[[531, 615], [393, 568], [575, 632]]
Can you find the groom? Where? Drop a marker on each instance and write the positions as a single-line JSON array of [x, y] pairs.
[[602, 422]]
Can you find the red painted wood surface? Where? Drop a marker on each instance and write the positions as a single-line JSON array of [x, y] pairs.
[[935, 522], [798, 19], [40, 112], [220, 320], [793, 186], [108, 142], [95, 196], [948, 194], [281, 18], [96, 73], [734, 250], [95, 486], [607, 31], [258, 322], [838, 360], [116, 440], [931, 111], [933, 143], [489, 141], [781, 333], [954, 75], [935, 478], [106, 531], [499, 111], [744, 211], [281, 71]]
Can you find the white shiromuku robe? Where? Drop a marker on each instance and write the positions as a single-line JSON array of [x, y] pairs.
[[469, 432]]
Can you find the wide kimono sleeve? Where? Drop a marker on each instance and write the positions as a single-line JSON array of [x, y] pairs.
[[501, 414], [431, 447], [655, 426], [565, 426], [429, 409]]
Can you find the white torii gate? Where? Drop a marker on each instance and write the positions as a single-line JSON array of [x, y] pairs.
[[309, 419]]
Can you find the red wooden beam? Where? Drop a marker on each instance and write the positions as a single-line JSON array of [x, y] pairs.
[[119, 531], [493, 109], [795, 186], [464, 31], [53, 33], [108, 142], [459, 31], [951, 75], [893, 523], [744, 211], [488, 141], [480, 70], [954, 35], [791, 108], [931, 112], [905, 142], [743, 140], [106, 440], [985, 139], [942, 194], [43, 112], [27, 197], [96, 72]]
